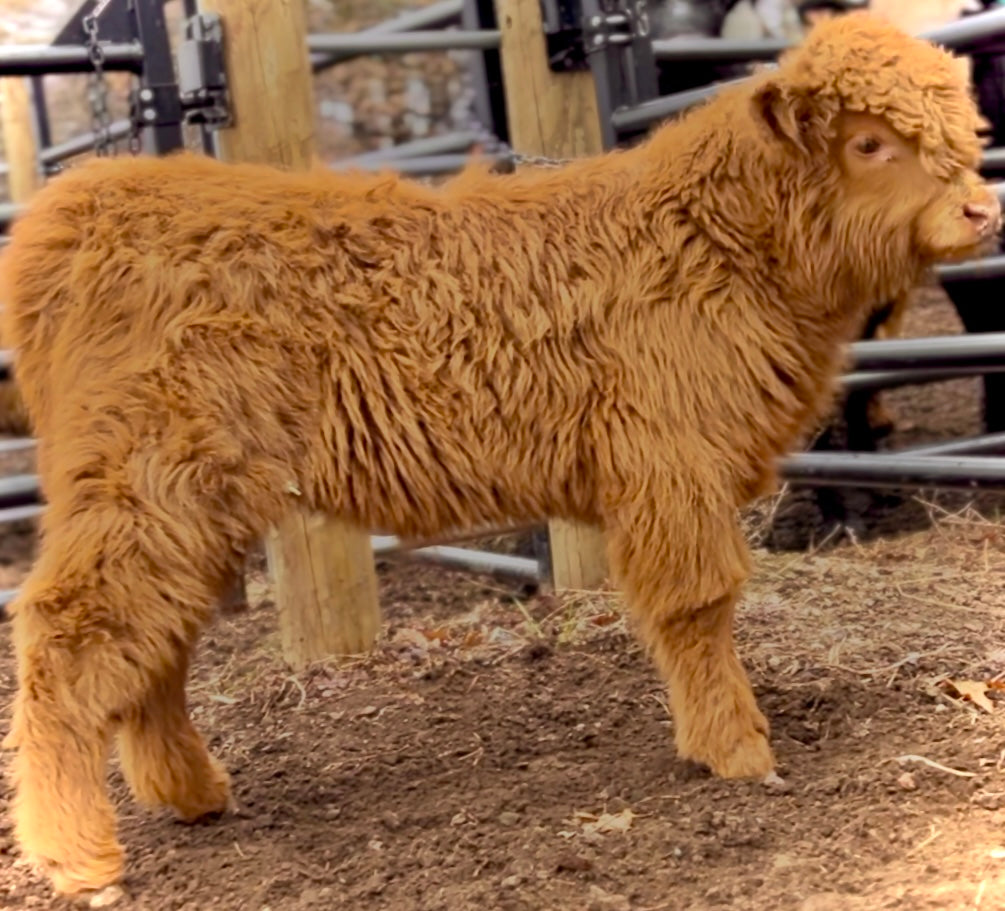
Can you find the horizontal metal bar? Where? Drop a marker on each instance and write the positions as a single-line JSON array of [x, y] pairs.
[[436, 15], [988, 443], [78, 145], [18, 490], [968, 33], [465, 558], [717, 50], [858, 469], [971, 269], [642, 115], [964, 34], [933, 352], [20, 513], [385, 545], [993, 159], [426, 166], [42, 59], [17, 444], [859, 381], [429, 145], [8, 212], [405, 42]]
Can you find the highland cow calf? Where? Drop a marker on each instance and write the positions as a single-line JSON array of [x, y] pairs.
[[629, 341]]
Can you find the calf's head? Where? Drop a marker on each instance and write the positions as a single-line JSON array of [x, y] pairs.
[[885, 128]]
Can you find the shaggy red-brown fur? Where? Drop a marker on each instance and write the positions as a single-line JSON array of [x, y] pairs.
[[13, 413], [630, 341]]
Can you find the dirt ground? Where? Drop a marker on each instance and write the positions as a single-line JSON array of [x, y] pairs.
[[509, 751]]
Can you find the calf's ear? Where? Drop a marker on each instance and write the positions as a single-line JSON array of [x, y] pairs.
[[794, 115]]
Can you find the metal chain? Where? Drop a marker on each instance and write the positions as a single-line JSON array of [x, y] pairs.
[[98, 91], [538, 161], [135, 144]]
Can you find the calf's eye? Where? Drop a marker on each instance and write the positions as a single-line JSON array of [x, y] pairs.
[[868, 145]]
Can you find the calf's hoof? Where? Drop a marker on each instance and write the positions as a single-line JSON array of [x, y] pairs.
[[737, 747], [751, 757], [74, 876], [210, 797]]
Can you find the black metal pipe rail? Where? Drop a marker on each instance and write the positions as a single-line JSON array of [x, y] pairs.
[[717, 50], [859, 381], [993, 159], [78, 145], [8, 212], [41, 60], [935, 352], [404, 42], [641, 116], [430, 145], [17, 444], [894, 469], [969, 34], [971, 269], [965, 34], [18, 490], [436, 15], [41, 109], [990, 443], [422, 166]]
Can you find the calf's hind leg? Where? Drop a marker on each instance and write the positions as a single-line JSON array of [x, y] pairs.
[[681, 576], [164, 758], [115, 598]]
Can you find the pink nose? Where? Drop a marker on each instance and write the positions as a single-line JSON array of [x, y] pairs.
[[986, 216]]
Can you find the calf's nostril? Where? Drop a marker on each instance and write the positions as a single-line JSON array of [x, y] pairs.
[[983, 215]]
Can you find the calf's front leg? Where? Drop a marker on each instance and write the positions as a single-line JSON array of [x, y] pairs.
[[682, 577]]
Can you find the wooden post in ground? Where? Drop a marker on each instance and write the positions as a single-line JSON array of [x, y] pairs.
[[326, 584], [24, 175], [24, 178], [556, 115]]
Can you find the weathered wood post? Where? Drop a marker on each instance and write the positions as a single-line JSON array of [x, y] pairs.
[[326, 583], [24, 175], [24, 178], [556, 115]]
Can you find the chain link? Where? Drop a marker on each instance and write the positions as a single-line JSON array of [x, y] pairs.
[[98, 90], [538, 161], [135, 144]]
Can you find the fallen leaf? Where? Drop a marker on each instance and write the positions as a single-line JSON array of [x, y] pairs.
[[405, 635], [975, 691], [106, 897], [907, 782], [605, 822], [472, 638]]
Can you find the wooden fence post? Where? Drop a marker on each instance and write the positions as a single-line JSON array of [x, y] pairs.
[[24, 178], [24, 175], [326, 583], [556, 115]]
